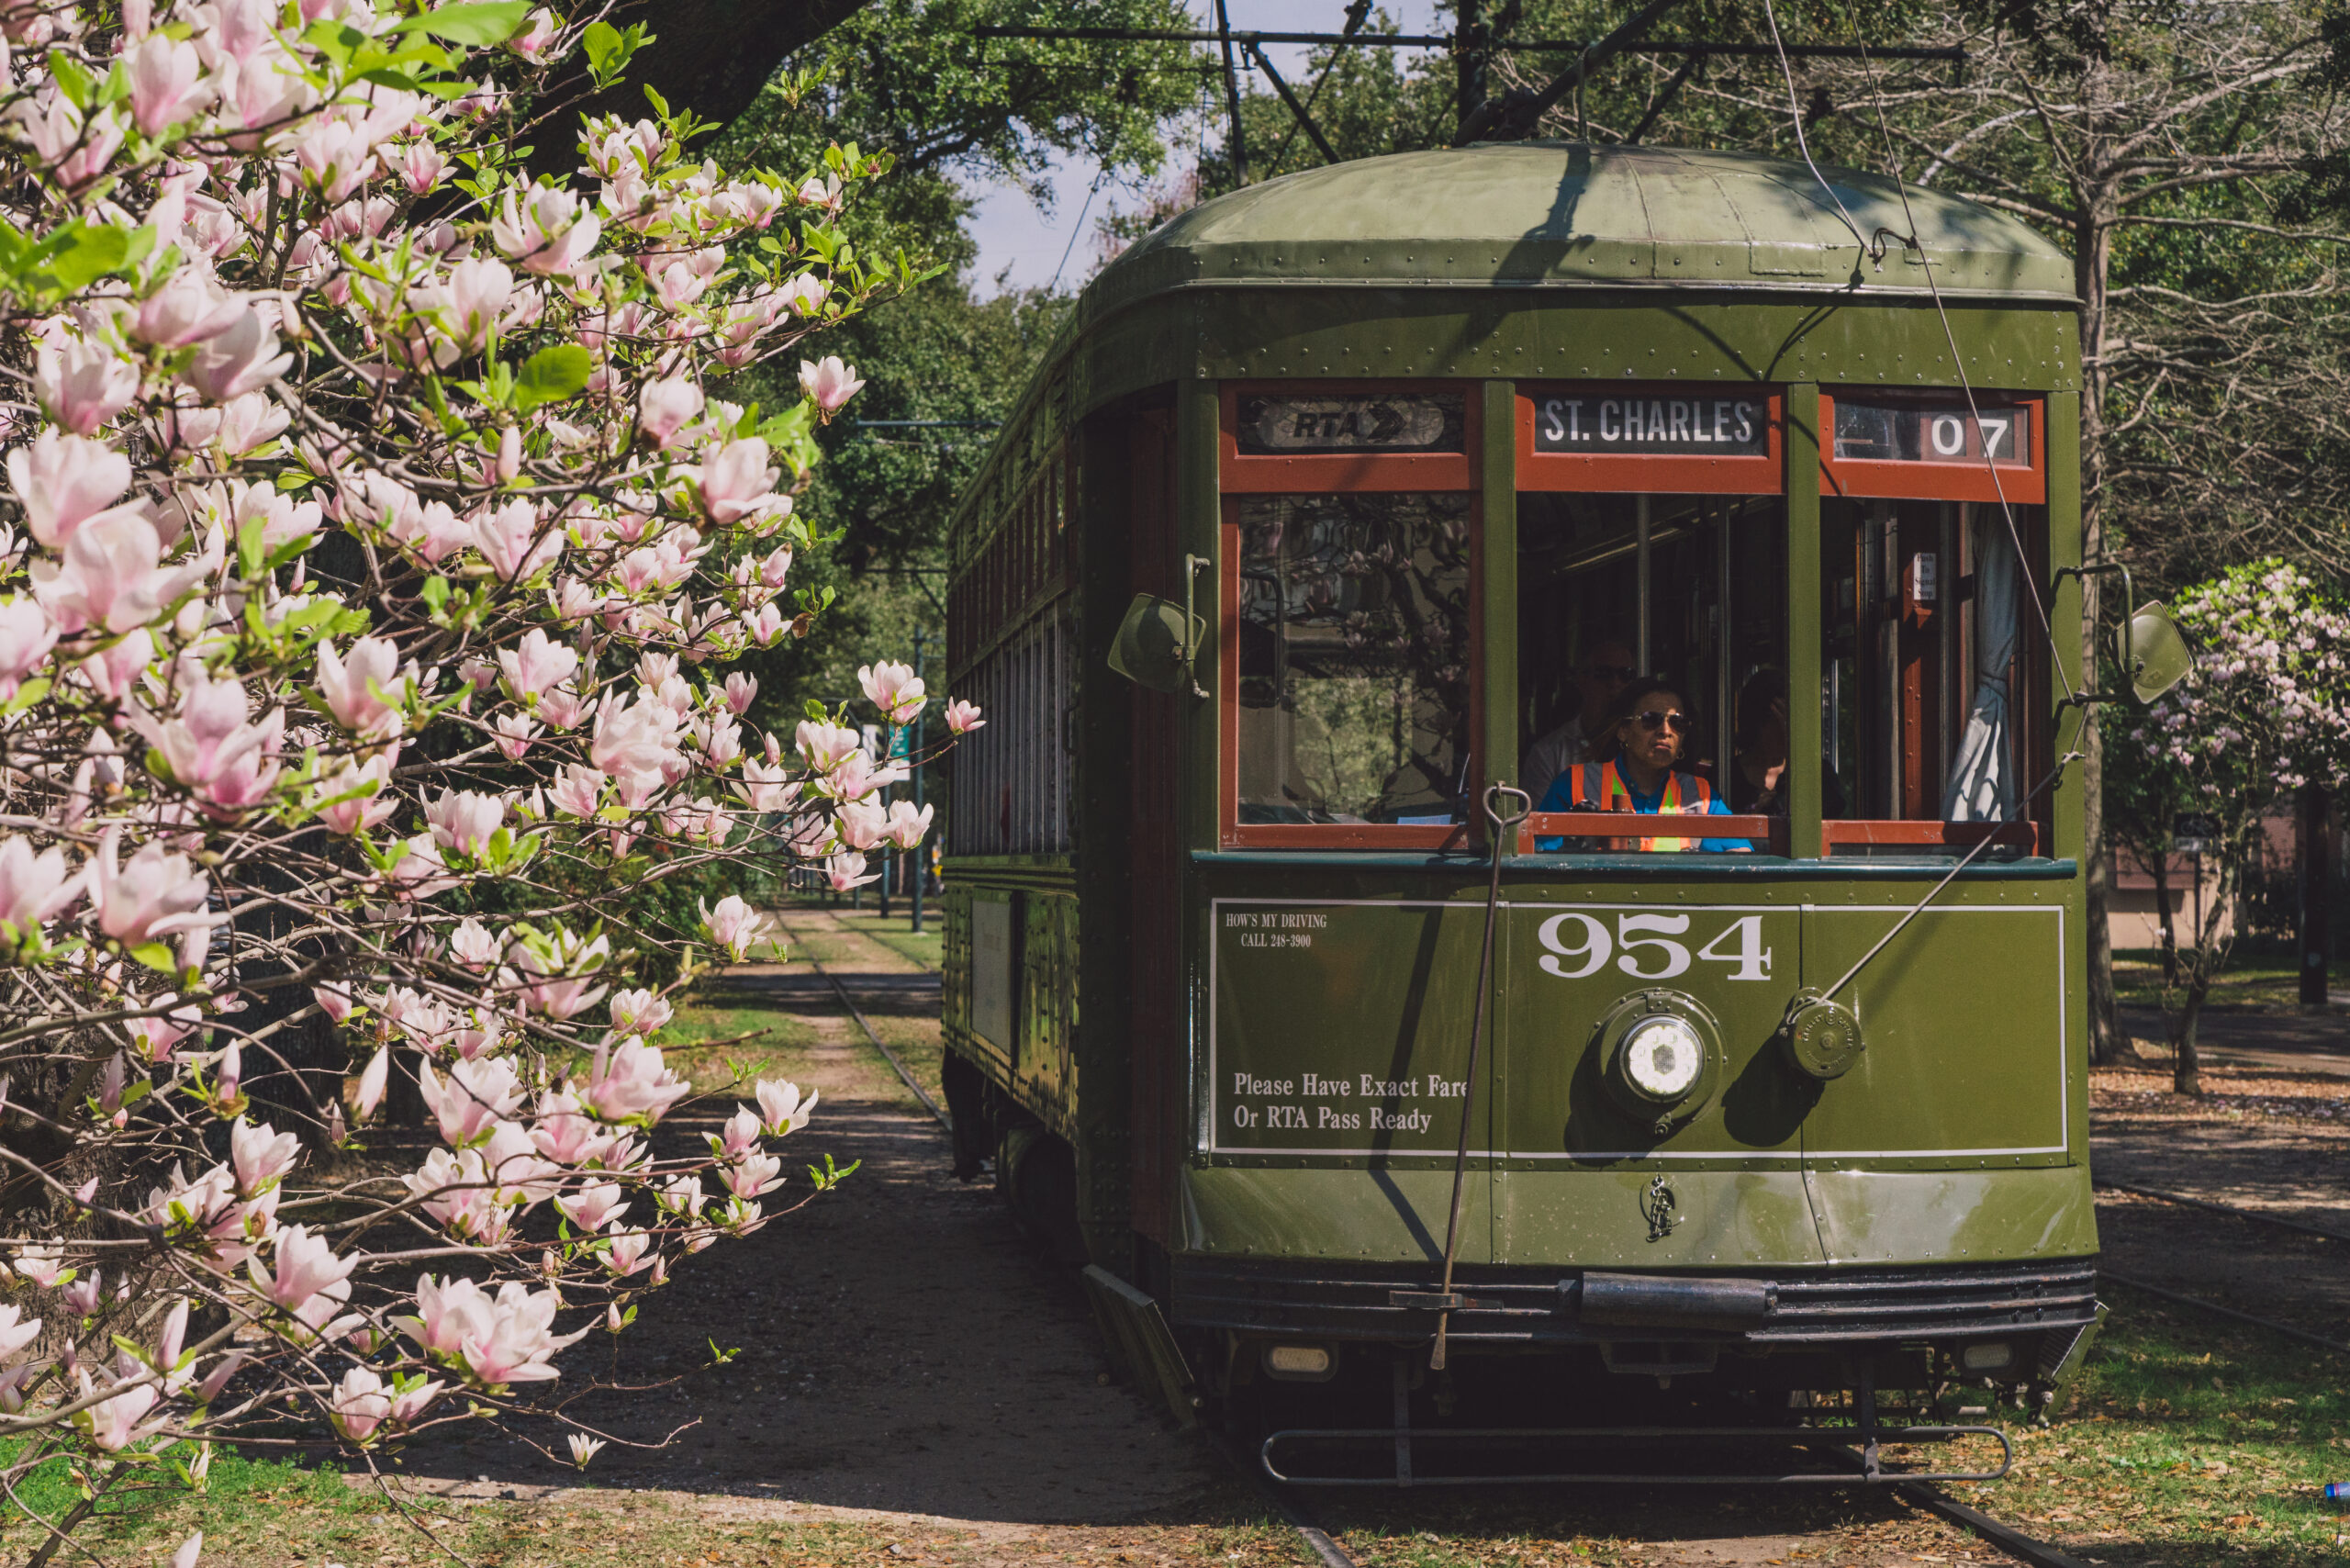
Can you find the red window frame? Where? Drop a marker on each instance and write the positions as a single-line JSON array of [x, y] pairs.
[[1871, 479], [2021, 485], [1662, 474], [1240, 477]]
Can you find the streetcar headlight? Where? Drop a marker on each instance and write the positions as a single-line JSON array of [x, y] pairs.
[[1300, 1363], [1662, 1057], [1991, 1356]]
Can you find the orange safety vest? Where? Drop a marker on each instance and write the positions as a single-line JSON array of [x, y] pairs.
[[1685, 794]]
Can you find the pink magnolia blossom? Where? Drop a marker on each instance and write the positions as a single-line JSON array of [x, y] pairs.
[[355, 797], [738, 1135], [304, 1266], [595, 1206], [519, 1340], [27, 634], [736, 481], [545, 228], [626, 1255], [33, 888], [639, 1012], [578, 793], [633, 1083], [825, 746], [335, 156], [15, 1336], [373, 1082], [909, 826], [210, 732], [81, 386], [892, 687], [152, 894], [473, 944], [539, 29], [477, 1096], [242, 358], [362, 689], [847, 872], [829, 381], [464, 821], [114, 1424], [861, 825], [664, 406], [359, 1404], [189, 308], [535, 664], [561, 709], [514, 541], [733, 925], [259, 1156], [62, 481], [752, 1176], [963, 717], [115, 670], [419, 165], [113, 576], [563, 1135], [167, 83], [158, 1036]]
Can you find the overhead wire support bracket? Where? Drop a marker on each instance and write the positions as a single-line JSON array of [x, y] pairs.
[[1304, 120]]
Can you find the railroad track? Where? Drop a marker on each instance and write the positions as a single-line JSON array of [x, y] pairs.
[[2235, 1211]]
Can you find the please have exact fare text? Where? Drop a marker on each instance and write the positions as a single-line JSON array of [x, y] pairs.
[[1331, 1102]]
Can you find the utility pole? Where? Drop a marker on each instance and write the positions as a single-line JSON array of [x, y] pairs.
[[921, 849], [1469, 52]]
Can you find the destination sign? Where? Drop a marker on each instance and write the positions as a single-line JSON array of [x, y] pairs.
[[1734, 426], [1287, 426], [1905, 431]]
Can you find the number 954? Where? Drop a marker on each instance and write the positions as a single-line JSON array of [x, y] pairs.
[[1645, 947]]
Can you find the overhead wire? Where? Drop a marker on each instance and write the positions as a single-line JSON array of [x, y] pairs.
[[1913, 241]]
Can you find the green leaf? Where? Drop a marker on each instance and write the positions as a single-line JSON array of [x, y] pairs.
[[602, 41], [483, 24], [155, 955], [552, 375], [435, 592], [86, 254]]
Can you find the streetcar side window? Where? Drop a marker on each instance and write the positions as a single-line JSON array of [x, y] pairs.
[[1354, 659], [1613, 586]]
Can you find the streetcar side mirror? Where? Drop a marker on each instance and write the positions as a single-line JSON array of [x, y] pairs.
[[1152, 648], [2154, 653]]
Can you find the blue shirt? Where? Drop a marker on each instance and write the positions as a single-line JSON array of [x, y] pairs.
[[1561, 797]]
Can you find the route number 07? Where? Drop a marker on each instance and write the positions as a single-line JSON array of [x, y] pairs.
[[1579, 945]]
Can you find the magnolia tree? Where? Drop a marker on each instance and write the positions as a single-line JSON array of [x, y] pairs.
[[2266, 710], [373, 554]]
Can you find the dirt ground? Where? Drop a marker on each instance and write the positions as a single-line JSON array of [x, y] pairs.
[[909, 1360], [2272, 1134]]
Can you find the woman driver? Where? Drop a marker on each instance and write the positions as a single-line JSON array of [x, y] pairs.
[[1650, 728]]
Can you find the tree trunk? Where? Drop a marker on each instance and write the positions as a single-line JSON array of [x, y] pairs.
[[2316, 856], [2185, 1063], [2158, 865], [2092, 260]]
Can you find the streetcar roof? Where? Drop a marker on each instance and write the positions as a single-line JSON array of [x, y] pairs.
[[1565, 214]]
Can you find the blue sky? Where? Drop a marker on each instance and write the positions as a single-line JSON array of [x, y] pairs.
[[1012, 232]]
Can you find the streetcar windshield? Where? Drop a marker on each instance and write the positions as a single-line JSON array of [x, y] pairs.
[[1354, 663], [1691, 588]]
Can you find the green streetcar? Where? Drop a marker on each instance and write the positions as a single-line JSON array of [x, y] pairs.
[[1311, 531]]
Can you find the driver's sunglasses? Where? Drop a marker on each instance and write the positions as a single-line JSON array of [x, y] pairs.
[[1655, 719], [1625, 673]]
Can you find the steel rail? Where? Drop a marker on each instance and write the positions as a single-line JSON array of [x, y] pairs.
[[2270, 1324], [2278, 1220], [887, 1054]]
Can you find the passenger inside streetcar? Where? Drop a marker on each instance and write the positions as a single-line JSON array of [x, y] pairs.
[[1760, 783], [1599, 680], [1648, 729]]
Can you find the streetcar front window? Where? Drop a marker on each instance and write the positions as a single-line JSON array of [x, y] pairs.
[[1354, 658], [1691, 588]]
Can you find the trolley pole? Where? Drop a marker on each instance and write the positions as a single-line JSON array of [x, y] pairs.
[[920, 852]]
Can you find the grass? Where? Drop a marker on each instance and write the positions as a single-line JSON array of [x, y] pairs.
[[897, 934], [2257, 984], [778, 1039]]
